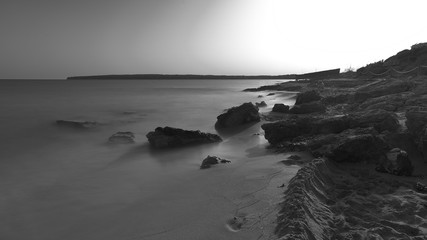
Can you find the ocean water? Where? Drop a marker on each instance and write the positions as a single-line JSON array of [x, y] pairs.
[[59, 183]]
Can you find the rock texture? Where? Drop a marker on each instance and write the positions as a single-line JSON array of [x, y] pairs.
[[280, 108], [307, 97], [360, 148], [174, 137], [243, 114], [311, 107], [396, 162], [212, 160]]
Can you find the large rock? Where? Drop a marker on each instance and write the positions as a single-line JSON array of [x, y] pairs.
[[280, 108], [360, 148], [212, 160], [379, 119], [331, 125], [175, 137], [122, 137], [245, 113], [416, 121], [337, 99], [388, 102], [382, 88], [396, 162], [311, 107], [297, 126], [307, 97], [77, 124], [286, 130]]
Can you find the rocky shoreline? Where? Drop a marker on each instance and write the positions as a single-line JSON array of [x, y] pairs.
[[370, 143]]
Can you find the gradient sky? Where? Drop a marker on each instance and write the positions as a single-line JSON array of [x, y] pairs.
[[58, 38]]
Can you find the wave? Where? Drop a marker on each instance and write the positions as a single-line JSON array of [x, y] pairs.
[[327, 201]]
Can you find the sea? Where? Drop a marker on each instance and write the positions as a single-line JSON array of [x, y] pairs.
[[64, 183]]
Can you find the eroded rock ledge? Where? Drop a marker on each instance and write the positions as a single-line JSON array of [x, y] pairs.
[[169, 137]]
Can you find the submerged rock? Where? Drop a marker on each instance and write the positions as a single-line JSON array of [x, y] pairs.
[[175, 137], [245, 113], [396, 162], [307, 97], [212, 160], [261, 104], [122, 137], [311, 107], [281, 108], [77, 124]]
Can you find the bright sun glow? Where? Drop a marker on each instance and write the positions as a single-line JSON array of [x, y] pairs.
[[273, 36]]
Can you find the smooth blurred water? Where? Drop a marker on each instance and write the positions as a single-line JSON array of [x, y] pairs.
[[58, 183]]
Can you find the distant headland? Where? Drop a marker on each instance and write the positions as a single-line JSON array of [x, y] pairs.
[[320, 74], [179, 76]]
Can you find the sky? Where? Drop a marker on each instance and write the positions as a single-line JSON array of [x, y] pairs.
[[57, 38]]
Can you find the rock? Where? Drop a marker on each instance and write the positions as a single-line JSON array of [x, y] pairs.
[[379, 119], [416, 121], [396, 162], [331, 125], [337, 99], [322, 145], [271, 94], [307, 97], [300, 126], [212, 160], [261, 104], [382, 88], [281, 108], [245, 113], [122, 137], [358, 148], [388, 102], [76, 124], [175, 137], [260, 96], [421, 187], [287, 129], [305, 108]]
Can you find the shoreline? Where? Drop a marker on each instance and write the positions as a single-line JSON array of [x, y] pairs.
[[326, 211]]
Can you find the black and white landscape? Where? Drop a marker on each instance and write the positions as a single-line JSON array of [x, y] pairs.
[[213, 120]]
